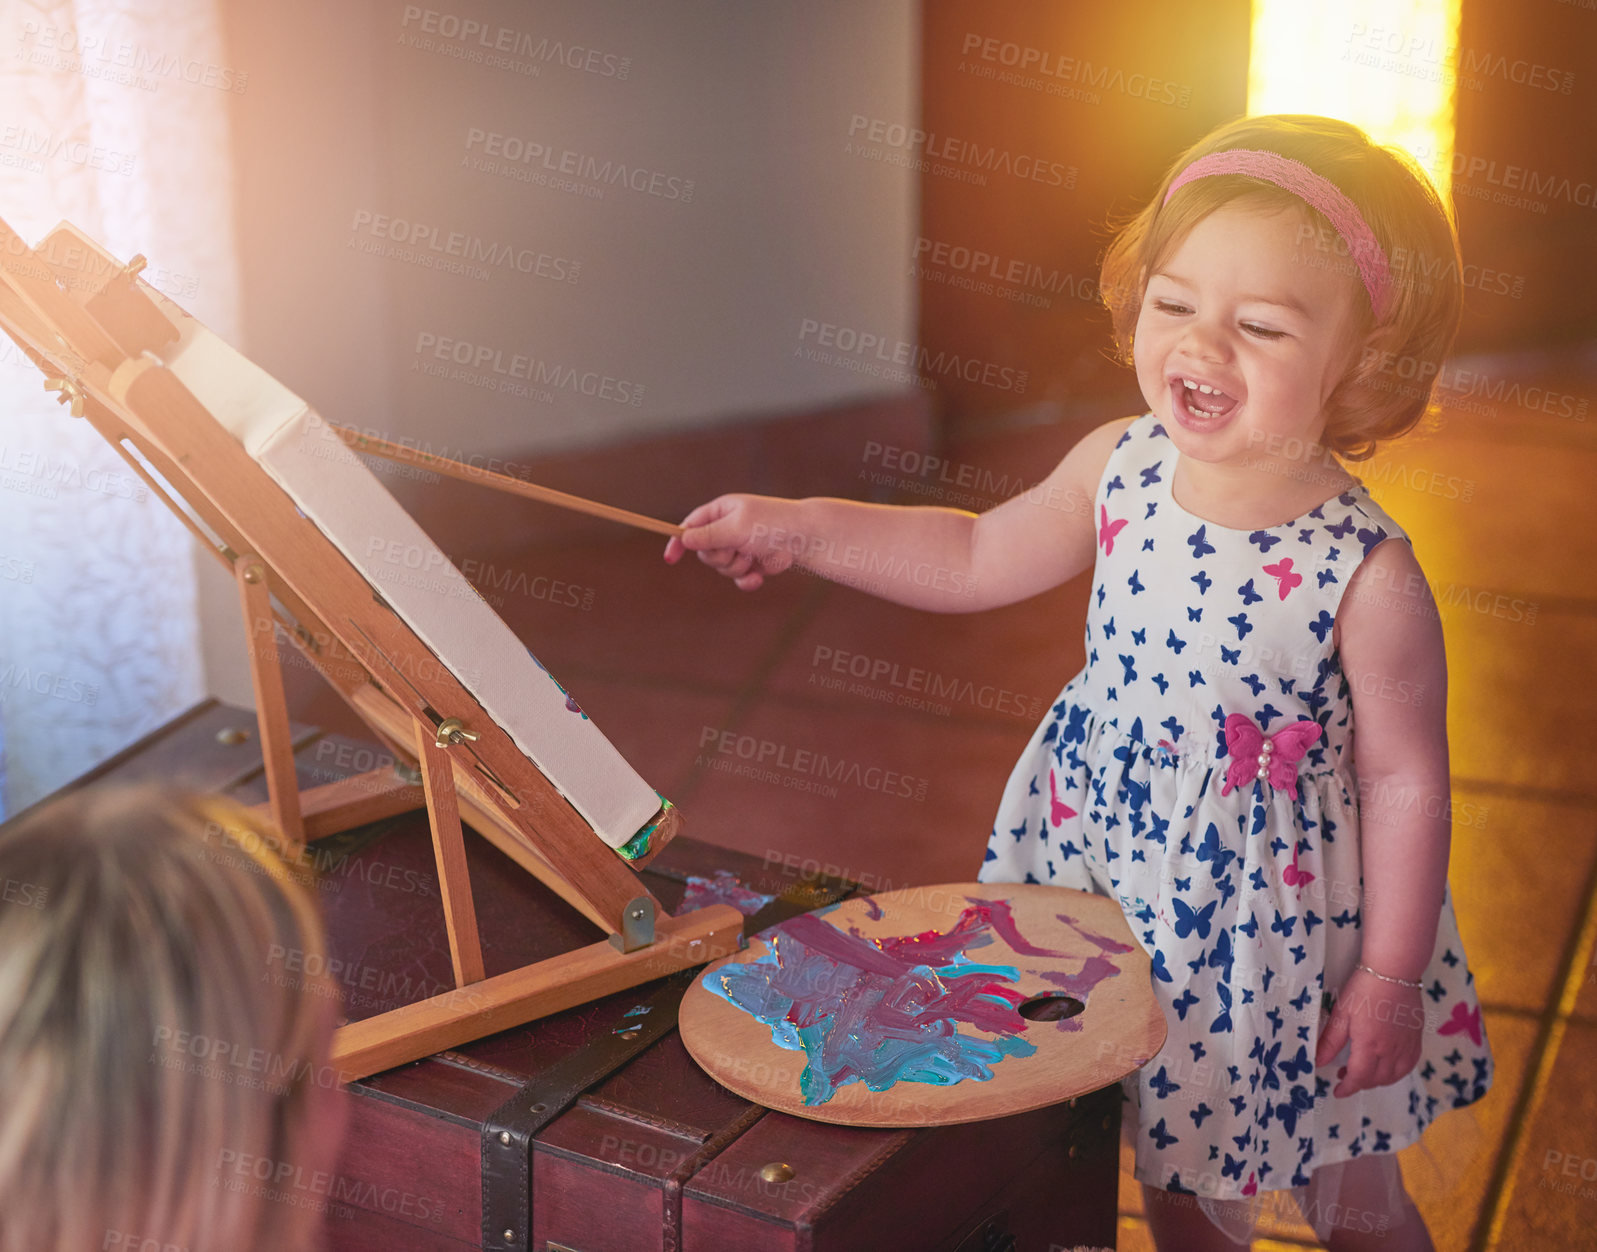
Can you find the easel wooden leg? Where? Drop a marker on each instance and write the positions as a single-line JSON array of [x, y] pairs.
[[271, 705], [449, 848]]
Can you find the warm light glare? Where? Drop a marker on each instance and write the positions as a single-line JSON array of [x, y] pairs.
[[1388, 66]]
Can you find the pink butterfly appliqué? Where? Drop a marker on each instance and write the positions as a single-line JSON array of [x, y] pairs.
[[1107, 530], [1286, 578], [1273, 757], [1295, 877], [1463, 1021], [1058, 809]]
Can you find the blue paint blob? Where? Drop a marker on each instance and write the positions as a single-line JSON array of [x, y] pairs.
[[883, 1011]]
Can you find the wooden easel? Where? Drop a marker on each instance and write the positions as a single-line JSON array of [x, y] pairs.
[[96, 330]]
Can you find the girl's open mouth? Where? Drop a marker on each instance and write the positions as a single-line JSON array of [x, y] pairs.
[[1198, 406]]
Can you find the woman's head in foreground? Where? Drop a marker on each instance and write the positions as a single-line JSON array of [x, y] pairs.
[[153, 1052]]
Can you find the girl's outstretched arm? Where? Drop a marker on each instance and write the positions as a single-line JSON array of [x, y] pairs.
[[1390, 637], [944, 560]]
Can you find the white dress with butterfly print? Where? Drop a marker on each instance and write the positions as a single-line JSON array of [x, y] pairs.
[[1247, 902]]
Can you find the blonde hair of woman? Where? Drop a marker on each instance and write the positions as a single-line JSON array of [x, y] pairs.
[[163, 1053]]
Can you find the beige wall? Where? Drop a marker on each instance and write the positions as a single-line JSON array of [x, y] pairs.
[[367, 138]]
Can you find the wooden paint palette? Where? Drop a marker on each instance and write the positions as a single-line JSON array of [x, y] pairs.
[[929, 1006]]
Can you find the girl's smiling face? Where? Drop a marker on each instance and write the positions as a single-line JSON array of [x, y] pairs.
[[1242, 337]]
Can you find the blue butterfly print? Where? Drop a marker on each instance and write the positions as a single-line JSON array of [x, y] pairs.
[[1248, 594], [1222, 956], [1250, 928], [1163, 1084], [1153, 506], [1020, 831], [1195, 678], [1301, 1000], [1194, 615], [1135, 583], [1256, 879], [1369, 538], [1174, 644], [1183, 1002], [1151, 474], [1255, 684], [1327, 576], [1264, 539], [1230, 655], [1211, 850], [1183, 884], [1076, 731], [1188, 919], [1306, 536], [1174, 727], [1240, 621], [1342, 529], [1158, 969], [1221, 1023], [1140, 637], [1311, 919], [1201, 546], [1161, 1136], [1069, 849], [1199, 1113], [1299, 953], [1112, 486], [1204, 582], [1299, 1102], [1100, 596], [1128, 662], [1298, 1066], [1161, 682], [991, 855], [1321, 626], [1283, 925], [1227, 889], [1109, 629], [1147, 545], [1124, 439]]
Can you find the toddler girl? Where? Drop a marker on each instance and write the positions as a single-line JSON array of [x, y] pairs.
[[1250, 604]]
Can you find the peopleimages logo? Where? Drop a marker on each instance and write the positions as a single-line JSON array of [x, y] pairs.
[[947, 153]]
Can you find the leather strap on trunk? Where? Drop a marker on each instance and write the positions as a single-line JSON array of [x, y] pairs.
[[509, 1131]]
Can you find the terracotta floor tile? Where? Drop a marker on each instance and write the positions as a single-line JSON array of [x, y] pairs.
[[1552, 1202], [643, 618], [1518, 913], [1004, 666], [867, 828], [1516, 713], [1481, 512]]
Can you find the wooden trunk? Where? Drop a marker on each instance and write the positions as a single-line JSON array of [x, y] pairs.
[[594, 1127]]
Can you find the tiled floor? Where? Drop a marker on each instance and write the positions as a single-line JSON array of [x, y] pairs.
[[1499, 504]]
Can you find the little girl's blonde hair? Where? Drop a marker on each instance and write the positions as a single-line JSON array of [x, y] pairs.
[[145, 1043], [1388, 386]]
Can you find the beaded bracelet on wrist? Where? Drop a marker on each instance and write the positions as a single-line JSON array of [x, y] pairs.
[[1401, 982]]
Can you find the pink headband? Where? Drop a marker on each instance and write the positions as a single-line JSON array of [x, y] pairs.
[[1312, 189]]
